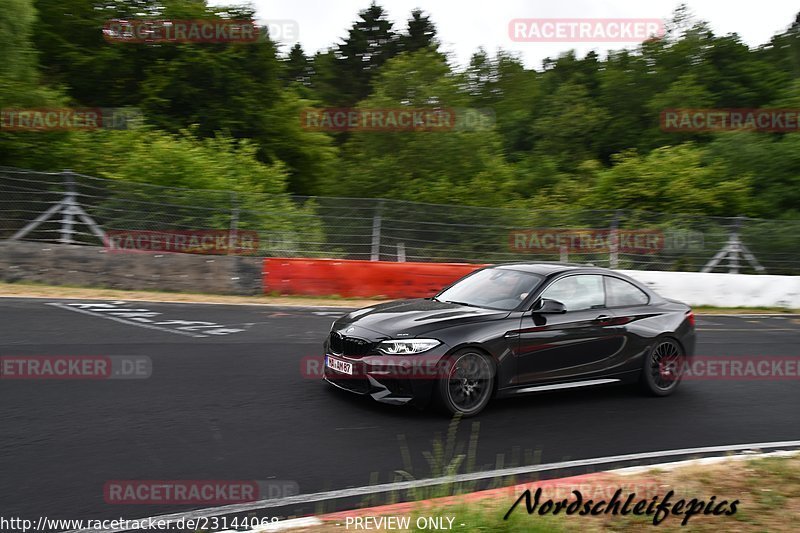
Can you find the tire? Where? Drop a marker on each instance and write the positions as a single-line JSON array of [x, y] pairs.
[[663, 368], [466, 384]]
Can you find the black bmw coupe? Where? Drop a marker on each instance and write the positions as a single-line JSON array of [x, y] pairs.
[[512, 329]]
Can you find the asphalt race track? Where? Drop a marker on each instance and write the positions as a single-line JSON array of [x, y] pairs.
[[227, 400]]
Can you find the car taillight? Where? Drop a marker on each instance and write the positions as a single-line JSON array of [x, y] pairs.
[[690, 317]]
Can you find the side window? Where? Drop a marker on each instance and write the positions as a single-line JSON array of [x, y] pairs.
[[620, 293], [578, 292]]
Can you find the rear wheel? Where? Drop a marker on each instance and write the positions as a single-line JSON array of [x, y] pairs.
[[663, 368], [467, 383]]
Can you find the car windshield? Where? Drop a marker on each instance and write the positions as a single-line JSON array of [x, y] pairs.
[[493, 288]]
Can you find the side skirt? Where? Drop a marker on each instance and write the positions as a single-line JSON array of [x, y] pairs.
[[628, 377]]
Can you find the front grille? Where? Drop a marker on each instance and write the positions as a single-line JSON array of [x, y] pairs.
[[351, 346]]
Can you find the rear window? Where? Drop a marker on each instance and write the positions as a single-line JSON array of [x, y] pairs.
[[620, 293]]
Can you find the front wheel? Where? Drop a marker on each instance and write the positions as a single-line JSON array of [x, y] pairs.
[[663, 368], [467, 382]]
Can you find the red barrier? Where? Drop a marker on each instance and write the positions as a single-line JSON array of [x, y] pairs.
[[360, 279]]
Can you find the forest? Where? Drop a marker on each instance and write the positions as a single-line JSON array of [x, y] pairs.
[[573, 133]]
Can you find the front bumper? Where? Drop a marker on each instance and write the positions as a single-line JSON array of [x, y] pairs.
[[392, 379]]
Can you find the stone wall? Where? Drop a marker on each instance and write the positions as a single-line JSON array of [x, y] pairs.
[[93, 266]]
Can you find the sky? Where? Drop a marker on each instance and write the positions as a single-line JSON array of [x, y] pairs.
[[465, 25]]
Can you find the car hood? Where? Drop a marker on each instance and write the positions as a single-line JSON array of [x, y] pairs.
[[414, 317]]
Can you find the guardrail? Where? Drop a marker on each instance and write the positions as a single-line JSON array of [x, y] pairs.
[[368, 279], [360, 279]]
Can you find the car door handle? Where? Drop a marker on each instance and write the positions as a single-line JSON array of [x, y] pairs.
[[603, 318]]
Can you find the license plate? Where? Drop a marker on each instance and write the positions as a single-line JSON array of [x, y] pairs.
[[340, 366]]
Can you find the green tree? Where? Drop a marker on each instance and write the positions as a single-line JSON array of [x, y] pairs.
[[20, 82], [371, 41], [569, 125], [625, 87], [685, 92], [18, 74], [298, 66], [675, 179], [445, 166], [420, 33], [503, 86]]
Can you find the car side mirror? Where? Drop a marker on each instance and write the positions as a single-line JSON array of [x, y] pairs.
[[550, 307]]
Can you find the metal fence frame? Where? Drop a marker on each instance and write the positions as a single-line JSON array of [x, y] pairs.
[[71, 208]]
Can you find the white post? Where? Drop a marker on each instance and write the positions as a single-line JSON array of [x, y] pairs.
[[68, 212], [234, 226], [613, 243], [376, 233]]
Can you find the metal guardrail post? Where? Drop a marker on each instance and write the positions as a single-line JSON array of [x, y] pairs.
[[234, 226], [69, 208], [376, 233], [68, 211], [401, 252], [613, 242], [732, 250]]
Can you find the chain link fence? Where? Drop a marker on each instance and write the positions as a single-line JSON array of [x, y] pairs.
[[71, 208]]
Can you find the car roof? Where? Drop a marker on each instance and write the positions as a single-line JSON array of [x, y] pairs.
[[553, 269], [545, 269]]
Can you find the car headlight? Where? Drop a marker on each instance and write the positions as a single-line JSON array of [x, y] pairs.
[[407, 346]]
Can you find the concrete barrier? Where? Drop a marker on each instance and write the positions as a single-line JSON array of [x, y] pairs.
[[320, 277], [723, 290]]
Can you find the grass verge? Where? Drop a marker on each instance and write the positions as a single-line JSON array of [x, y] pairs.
[[768, 491]]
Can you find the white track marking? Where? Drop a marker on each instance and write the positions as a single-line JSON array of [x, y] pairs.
[[460, 478], [122, 320]]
